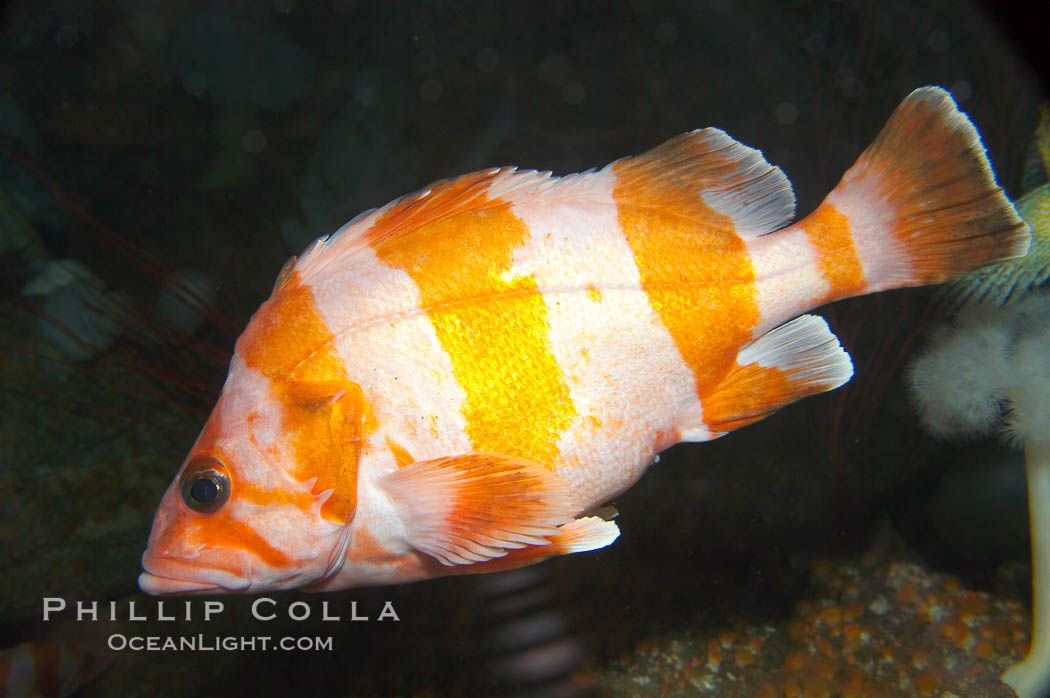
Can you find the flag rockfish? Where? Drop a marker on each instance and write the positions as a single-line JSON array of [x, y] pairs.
[[458, 381]]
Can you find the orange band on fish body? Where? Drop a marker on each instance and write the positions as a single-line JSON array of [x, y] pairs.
[[493, 328], [626, 377], [289, 341], [288, 337], [828, 230], [693, 265], [324, 422]]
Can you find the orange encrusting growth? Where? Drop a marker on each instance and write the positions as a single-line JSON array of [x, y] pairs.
[[694, 267], [493, 327], [828, 230], [289, 342]]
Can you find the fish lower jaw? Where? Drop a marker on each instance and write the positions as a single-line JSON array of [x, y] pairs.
[[155, 585], [164, 577]]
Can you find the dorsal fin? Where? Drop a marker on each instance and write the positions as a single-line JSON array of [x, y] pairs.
[[469, 193], [706, 175]]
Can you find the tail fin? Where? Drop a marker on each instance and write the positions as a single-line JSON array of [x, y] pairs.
[[919, 206]]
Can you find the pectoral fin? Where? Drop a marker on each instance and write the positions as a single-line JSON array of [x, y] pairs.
[[478, 506]]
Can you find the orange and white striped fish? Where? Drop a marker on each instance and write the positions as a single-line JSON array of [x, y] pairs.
[[458, 381]]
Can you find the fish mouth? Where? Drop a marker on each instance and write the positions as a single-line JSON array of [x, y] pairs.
[[155, 585], [163, 576]]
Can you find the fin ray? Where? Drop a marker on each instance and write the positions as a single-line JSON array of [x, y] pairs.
[[922, 201], [797, 359], [469, 193], [478, 506], [1010, 280], [580, 535], [707, 176]]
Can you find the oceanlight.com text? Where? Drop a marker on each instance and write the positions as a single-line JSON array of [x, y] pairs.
[[219, 643]]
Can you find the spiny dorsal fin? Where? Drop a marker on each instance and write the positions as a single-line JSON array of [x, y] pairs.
[[451, 197], [708, 176], [469, 193], [704, 175]]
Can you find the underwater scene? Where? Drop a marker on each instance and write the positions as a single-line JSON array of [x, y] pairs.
[[756, 405]]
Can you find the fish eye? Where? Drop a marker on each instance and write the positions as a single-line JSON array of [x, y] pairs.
[[204, 485]]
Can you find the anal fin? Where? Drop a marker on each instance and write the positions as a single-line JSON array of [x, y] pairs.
[[577, 536], [583, 534], [793, 361]]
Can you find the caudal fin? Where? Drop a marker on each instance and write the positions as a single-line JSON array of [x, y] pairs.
[[919, 206]]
